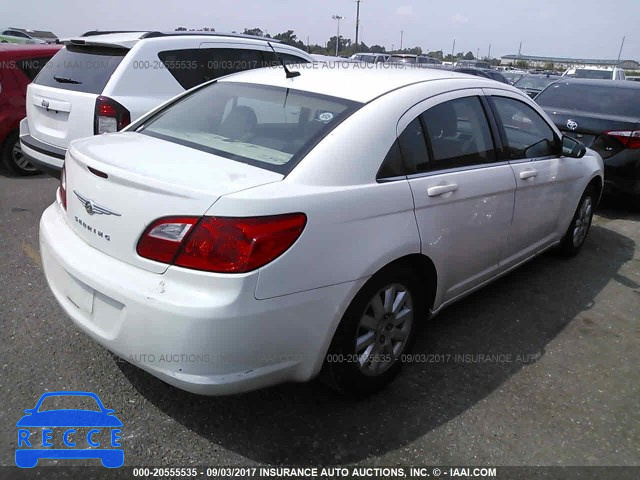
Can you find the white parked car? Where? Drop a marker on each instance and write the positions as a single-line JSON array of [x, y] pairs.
[[600, 73], [259, 228], [100, 82]]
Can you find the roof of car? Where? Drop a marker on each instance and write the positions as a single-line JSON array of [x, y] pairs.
[[352, 81], [128, 39], [598, 82]]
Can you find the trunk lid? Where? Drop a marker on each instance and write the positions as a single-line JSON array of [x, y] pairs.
[[146, 178], [61, 101], [589, 128]]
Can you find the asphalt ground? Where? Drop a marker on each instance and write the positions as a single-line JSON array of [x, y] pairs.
[[540, 368]]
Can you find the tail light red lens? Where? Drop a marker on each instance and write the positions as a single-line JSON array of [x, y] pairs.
[[63, 187], [109, 116], [630, 139], [222, 244]]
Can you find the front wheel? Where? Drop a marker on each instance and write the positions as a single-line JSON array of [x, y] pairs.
[[14, 158], [580, 224], [375, 333]]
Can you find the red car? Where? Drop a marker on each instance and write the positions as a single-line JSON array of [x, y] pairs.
[[19, 65]]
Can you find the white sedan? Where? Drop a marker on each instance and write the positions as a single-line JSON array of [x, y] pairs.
[[263, 228]]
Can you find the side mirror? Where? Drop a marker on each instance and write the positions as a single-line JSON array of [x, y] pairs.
[[572, 147]]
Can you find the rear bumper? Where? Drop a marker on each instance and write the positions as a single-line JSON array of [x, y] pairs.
[[205, 333], [45, 157], [622, 172]]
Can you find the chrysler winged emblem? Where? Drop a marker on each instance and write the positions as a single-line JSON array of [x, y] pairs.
[[572, 124], [93, 208]]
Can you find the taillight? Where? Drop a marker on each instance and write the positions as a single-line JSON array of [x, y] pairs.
[[63, 187], [221, 244], [628, 138], [109, 116]]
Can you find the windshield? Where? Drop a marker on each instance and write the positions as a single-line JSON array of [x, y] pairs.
[[619, 101], [81, 69], [535, 82], [597, 74], [512, 76], [269, 127]]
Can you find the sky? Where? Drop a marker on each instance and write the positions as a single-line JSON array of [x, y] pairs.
[[559, 28]]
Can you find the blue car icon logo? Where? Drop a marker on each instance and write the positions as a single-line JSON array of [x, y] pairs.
[[80, 433]]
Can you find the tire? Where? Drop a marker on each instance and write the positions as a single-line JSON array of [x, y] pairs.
[[14, 159], [384, 336], [576, 234]]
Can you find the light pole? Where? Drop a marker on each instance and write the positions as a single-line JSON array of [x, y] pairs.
[[401, 37], [338, 18], [357, 22]]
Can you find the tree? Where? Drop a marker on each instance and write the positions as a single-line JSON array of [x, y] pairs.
[[254, 31], [181, 29], [344, 46], [377, 49], [437, 54], [290, 38], [469, 56]]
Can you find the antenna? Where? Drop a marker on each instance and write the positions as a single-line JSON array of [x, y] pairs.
[[287, 72]]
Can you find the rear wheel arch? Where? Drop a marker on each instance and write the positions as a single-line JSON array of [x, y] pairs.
[[424, 267], [596, 184]]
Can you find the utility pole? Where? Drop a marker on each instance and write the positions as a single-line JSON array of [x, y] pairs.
[[620, 52], [477, 54], [453, 49], [401, 35], [520, 50], [357, 22], [338, 18], [489, 54]]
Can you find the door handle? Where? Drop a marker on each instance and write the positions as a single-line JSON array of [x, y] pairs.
[[441, 189], [528, 174]]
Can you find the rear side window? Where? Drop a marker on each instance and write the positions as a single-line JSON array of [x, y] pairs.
[[459, 134], [527, 134], [81, 68], [269, 127], [31, 67], [191, 67], [607, 100]]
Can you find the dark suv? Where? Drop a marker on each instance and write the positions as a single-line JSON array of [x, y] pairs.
[[605, 116]]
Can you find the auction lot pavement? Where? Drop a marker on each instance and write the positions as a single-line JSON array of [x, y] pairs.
[[540, 368]]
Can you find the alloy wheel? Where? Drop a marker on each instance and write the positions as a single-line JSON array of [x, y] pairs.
[[384, 329]]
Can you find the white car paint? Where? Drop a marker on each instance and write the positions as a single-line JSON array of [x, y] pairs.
[[274, 324]]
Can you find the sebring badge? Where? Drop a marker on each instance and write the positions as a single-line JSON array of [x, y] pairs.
[[93, 208], [572, 124]]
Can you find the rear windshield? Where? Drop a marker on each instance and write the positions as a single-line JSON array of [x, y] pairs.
[[80, 68], [592, 98], [596, 74], [269, 127]]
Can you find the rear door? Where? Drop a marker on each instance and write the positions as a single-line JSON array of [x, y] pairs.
[[463, 194], [61, 101], [533, 149]]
